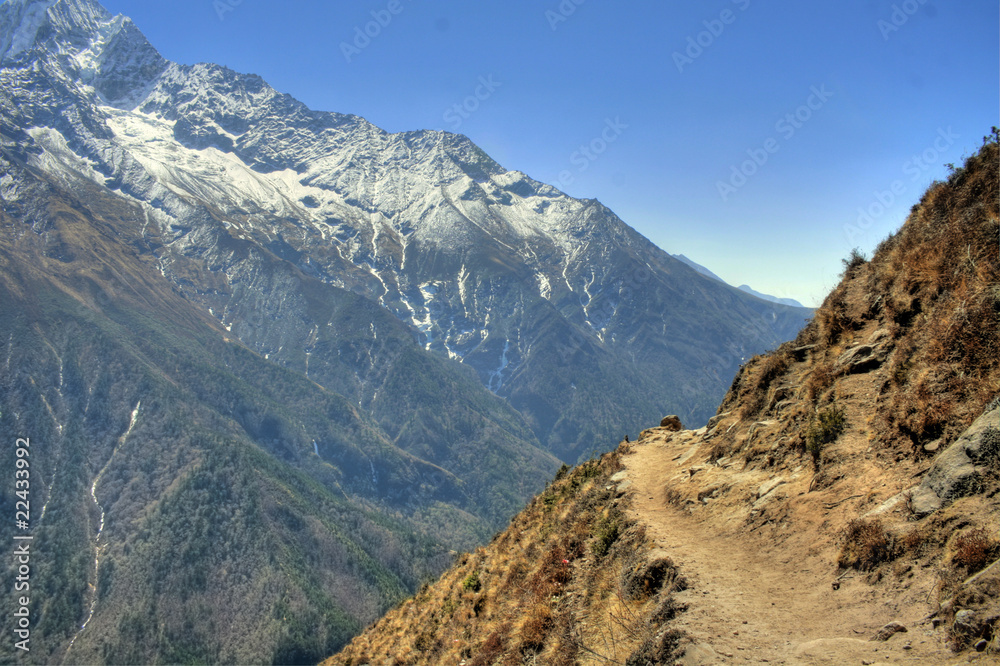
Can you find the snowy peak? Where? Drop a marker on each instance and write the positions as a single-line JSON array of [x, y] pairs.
[[98, 49], [424, 224], [79, 17], [126, 65]]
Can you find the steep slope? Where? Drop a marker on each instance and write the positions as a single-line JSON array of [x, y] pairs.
[[423, 223], [571, 581], [851, 479]]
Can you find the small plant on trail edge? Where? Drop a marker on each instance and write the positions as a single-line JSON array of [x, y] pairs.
[[825, 429], [471, 582], [662, 649], [607, 533]]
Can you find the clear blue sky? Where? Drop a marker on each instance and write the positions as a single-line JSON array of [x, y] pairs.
[[888, 81]]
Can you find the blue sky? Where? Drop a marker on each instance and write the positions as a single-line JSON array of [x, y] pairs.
[[748, 135]]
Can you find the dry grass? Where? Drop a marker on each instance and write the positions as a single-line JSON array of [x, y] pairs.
[[550, 589], [494, 645], [835, 318], [644, 579], [974, 550], [913, 542], [757, 379], [820, 378], [938, 280], [866, 545]]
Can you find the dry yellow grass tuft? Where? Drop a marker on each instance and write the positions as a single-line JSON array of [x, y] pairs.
[[974, 550], [867, 544]]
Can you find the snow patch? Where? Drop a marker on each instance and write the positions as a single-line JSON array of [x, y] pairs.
[[544, 286], [100, 530], [31, 20], [57, 157], [495, 382], [217, 176]]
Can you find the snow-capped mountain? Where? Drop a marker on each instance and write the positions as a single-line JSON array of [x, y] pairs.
[[550, 299]]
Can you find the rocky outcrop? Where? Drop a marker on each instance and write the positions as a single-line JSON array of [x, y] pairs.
[[672, 423], [956, 471], [866, 357]]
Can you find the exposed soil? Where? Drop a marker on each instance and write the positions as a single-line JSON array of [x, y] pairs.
[[757, 600]]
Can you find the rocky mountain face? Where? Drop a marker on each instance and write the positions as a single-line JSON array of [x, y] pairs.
[[275, 363], [842, 506]]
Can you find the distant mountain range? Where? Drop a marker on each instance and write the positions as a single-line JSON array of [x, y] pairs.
[[275, 362], [707, 273]]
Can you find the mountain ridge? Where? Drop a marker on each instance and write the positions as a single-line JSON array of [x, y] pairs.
[[85, 314]]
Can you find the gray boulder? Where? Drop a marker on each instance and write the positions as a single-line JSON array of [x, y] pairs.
[[956, 471], [863, 358], [965, 623]]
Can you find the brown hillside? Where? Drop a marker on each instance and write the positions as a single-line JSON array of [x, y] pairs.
[[572, 580], [839, 489]]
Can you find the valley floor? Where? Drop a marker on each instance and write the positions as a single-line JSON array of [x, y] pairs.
[[753, 600]]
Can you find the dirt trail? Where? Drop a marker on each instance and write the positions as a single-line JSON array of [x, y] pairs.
[[756, 602]]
